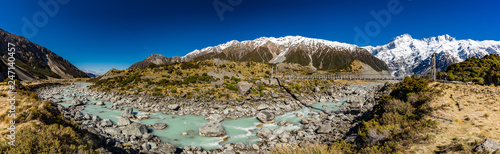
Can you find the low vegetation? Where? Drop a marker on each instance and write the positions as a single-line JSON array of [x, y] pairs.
[[39, 128], [198, 79], [484, 71]]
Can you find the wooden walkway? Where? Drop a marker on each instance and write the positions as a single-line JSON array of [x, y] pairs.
[[373, 77]]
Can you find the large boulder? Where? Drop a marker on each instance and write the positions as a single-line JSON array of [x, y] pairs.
[[123, 121], [215, 118], [488, 145], [325, 129], [280, 130], [135, 129], [309, 120], [173, 106], [106, 123], [212, 129], [164, 147], [262, 107], [77, 103], [128, 113], [160, 126], [244, 88], [113, 131], [356, 102], [266, 117], [264, 132]]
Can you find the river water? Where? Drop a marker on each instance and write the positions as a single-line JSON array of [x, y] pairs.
[[239, 130]]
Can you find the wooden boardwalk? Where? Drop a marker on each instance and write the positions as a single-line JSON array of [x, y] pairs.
[[373, 77]]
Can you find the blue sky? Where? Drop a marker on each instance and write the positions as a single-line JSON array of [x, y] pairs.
[[98, 35]]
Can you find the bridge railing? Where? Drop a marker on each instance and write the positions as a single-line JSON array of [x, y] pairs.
[[339, 77]]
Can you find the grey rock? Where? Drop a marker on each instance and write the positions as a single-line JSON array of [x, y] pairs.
[[244, 88], [262, 107], [78, 116], [147, 136], [215, 118], [135, 129], [239, 145], [99, 103], [77, 103], [280, 130], [212, 129], [283, 123], [113, 131], [255, 147], [87, 116], [166, 147], [96, 118], [128, 113], [173, 106], [325, 128], [123, 121], [264, 132], [308, 120], [488, 145], [160, 126], [106, 123], [266, 117]]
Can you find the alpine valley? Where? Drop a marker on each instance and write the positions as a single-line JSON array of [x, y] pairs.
[[229, 99]]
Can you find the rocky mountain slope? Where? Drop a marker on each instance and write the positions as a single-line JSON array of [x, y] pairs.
[[405, 55], [321, 54], [34, 61], [156, 59]]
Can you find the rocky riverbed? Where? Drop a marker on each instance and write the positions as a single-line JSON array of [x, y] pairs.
[[132, 125]]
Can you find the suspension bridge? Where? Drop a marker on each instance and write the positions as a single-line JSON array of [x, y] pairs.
[[373, 77]]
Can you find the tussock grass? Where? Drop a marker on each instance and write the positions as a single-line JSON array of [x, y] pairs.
[[307, 149], [38, 129], [475, 119]]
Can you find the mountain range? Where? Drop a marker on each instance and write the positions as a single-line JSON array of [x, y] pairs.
[[318, 53], [34, 61], [405, 55], [402, 56]]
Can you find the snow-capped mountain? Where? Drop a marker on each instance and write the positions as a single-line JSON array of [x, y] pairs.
[[405, 55], [321, 54]]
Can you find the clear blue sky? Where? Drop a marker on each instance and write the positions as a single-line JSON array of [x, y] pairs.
[[103, 34]]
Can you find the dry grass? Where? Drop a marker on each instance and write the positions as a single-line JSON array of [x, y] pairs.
[[22, 103], [475, 115], [305, 149]]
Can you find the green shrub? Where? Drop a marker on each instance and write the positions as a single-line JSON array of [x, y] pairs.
[[408, 86], [231, 87]]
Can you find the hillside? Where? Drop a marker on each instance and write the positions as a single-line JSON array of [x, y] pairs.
[[34, 61], [155, 59], [40, 128], [484, 70], [475, 111], [414, 119]]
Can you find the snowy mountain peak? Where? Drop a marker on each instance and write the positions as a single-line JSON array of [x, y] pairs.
[[282, 42], [402, 37], [441, 38], [405, 55], [318, 53]]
